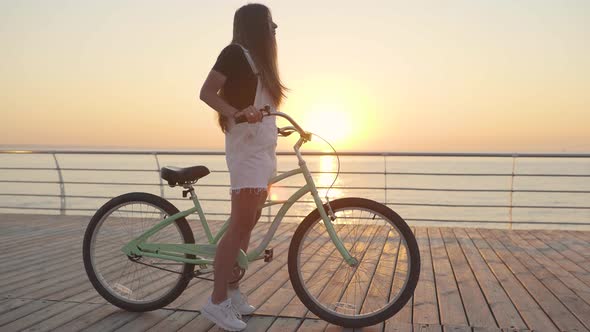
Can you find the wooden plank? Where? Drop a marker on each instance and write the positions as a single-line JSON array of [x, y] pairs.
[[312, 325], [554, 308], [284, 324], [425, 308], [24, 261], [454, 328], [381, 287], [530, 311], [427, 328], [583, 238], [578, 281], [397, 327], [573, 240], [476, 306], [571, 259], [145, 321], [449, 298], [88, 318], [37, 284], [22, 311], [113, 321], [498, 300], [527, 256], [11, 304], [174, 322], [490, 329], [404, 316], [38, 316], [199, 323], [62, 318], [259, 323], [69, 273]]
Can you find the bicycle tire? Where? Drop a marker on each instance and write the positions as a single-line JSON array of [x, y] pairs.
[[309, 294], [97, 279]]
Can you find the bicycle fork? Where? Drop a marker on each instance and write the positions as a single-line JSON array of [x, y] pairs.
[[327, 219]]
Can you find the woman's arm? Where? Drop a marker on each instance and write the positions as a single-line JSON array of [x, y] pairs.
[[209, 94]]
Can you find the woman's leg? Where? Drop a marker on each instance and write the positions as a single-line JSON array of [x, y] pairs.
[[244, 208], [246, 239]]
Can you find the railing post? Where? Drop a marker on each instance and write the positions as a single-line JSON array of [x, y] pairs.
[[62, 188], [159, 177], [385, 176], [512, 188]]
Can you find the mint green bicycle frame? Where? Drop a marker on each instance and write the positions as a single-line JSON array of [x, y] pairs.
[[206, 252]]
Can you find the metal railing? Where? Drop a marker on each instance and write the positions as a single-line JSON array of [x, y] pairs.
[[385, 188]]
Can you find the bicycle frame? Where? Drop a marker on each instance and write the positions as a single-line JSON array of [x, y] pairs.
[[206, 252]]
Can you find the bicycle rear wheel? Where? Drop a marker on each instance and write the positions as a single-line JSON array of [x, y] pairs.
[[364, 294], [135, 283]]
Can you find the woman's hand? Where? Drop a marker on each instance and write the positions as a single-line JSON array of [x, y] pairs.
[[251, 113]]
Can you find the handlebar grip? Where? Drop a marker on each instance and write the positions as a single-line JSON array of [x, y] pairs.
[[242, 118]]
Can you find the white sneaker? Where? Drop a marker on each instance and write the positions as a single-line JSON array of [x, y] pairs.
[[240, 302], [224, 315]]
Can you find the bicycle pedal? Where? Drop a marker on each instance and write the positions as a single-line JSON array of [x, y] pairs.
[[268, 254]]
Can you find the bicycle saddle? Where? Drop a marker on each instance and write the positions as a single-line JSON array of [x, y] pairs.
[[178, 175]]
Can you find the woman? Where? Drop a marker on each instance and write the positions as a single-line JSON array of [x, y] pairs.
[[243, 80]]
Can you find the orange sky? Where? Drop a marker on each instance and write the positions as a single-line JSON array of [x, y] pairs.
[[385, 76]]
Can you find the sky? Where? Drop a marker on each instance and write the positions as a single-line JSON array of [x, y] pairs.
[[392, 76]]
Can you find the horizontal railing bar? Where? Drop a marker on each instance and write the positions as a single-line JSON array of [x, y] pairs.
[[313, 172], [110, 197], [407, 219], [79, 182], [484, 174], [491, 190], [388, 203], [492, 206], [503, 222], [80, 169], [314, 153], [324, 187]]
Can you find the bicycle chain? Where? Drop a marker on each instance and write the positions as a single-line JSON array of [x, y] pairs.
[[194, 274]]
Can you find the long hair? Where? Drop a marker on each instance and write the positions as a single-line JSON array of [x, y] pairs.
[[251, 30]]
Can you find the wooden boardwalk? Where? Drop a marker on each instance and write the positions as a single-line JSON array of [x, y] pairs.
[[471, 280]]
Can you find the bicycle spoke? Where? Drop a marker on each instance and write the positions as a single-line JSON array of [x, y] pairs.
[[122, 277], [340, 288]]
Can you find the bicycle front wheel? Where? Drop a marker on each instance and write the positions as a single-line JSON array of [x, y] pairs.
[[135, 283], [368, 292]]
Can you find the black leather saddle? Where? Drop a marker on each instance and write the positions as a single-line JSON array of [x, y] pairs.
[[178, 176]]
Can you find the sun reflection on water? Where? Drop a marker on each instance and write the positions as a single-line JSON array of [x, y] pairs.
[[328, 164]]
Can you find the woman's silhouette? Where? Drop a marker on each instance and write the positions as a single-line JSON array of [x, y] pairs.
[[243, 80]]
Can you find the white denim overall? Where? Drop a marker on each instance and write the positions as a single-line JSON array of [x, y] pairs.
[[250, 148]]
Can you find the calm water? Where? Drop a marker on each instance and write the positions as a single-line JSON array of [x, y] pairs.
[[405, 202]]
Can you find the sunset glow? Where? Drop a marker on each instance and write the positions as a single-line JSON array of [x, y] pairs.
[[477, 76]]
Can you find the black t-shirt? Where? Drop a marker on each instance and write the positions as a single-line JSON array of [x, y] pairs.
[[239, 89]]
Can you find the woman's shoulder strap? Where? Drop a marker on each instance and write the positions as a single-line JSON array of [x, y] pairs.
[[249, 58]]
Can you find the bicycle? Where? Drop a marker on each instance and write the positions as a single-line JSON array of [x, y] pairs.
[[353, 262]]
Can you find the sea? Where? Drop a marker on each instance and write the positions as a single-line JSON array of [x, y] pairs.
[[546, 193]]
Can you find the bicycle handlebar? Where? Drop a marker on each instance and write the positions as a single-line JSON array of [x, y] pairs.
[[266, 112]]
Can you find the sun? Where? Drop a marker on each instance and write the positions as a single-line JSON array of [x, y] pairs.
[[337, 110], [330, 119]]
